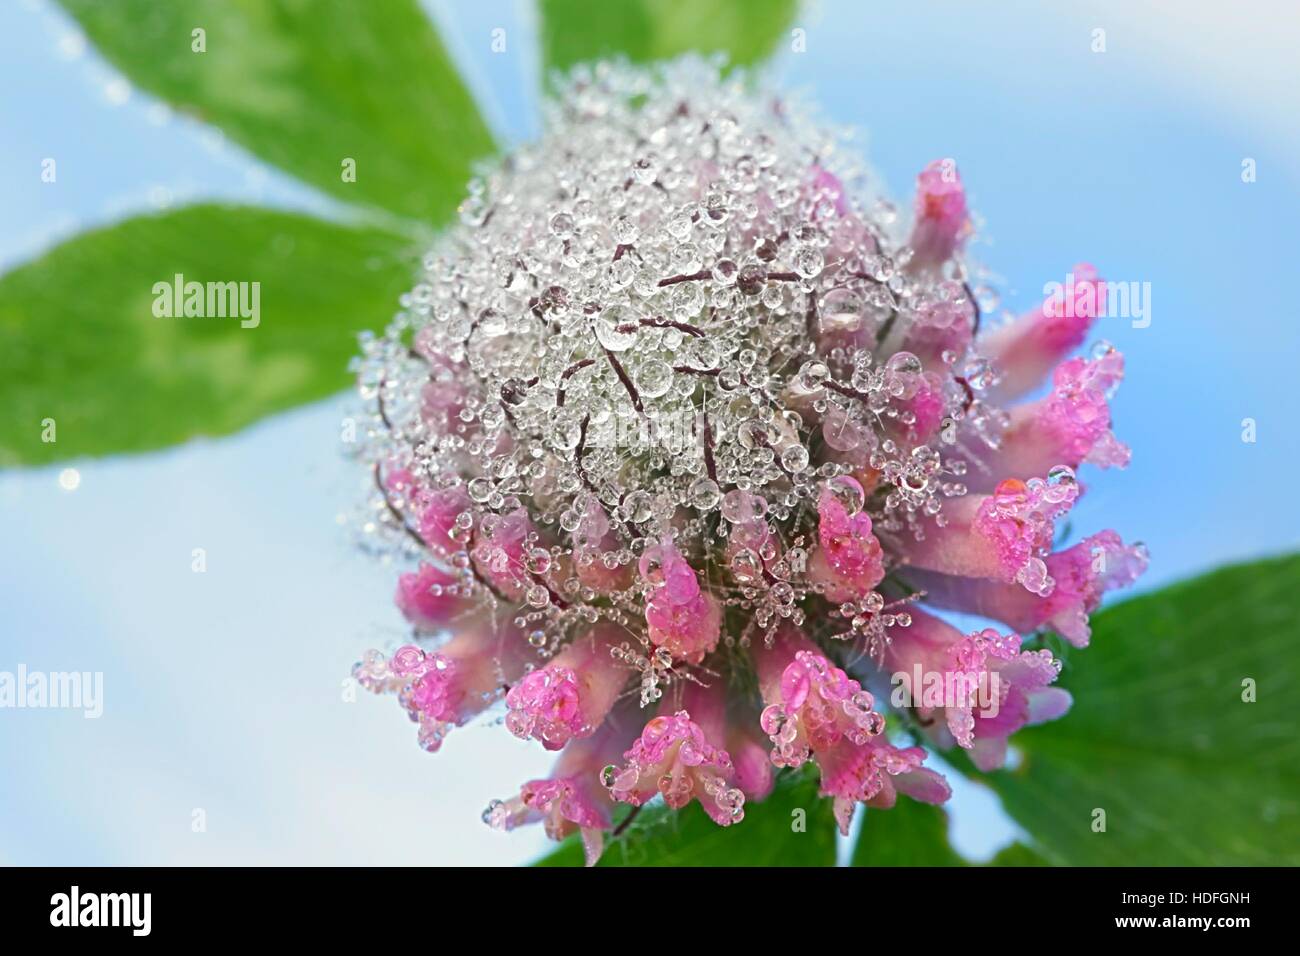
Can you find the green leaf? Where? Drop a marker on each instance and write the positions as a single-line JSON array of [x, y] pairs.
[[916, 834], [1018, 854], [766, 837], [575, 31], [908, 834], [1160, 738], [80, 342], [308, 84]]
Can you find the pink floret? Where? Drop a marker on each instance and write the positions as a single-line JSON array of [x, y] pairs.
[[849, 561], [570, 697], [1018, 520], [682, 618], [673, 758], [438, 520], [430, 597], [546, 705], [941, 219]]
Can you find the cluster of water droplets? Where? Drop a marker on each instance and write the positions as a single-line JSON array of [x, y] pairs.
[[680, 312]]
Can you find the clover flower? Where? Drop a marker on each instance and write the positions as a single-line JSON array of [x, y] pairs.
[[682, 421]]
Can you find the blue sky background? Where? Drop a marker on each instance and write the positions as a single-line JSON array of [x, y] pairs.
[[223, 690]]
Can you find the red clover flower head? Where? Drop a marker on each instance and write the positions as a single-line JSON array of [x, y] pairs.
[[680, 423]]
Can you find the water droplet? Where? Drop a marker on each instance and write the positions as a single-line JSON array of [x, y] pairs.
[[746, 566], [794, 458], [751, 279], [813, 375], [842, 308], [1061, 475], [808, 262], [637, 507], [725, 270], [616, 328], [654, 378], [848, 492], [705, 494], [562, 225]]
